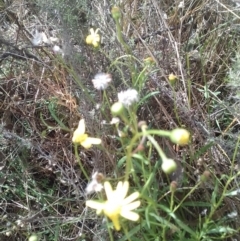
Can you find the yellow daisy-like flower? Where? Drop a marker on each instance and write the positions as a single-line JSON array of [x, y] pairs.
[[93, 38], [79, 136], [180, 136], [117, 204]]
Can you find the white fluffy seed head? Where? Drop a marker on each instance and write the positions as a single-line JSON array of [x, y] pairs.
[[128, 97], [101, 81]]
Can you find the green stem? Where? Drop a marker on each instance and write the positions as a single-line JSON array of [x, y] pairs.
[[120, 38], [132, 113], [124, 118], [128, 163], [106, 97], [110, 232], [191, 191], [151, 139], [157, 147], [79, 161], [141, 79], [163, 133]]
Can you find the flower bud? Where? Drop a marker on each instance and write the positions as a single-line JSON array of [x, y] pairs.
[[205, 176], [173, 186], [149, 61], [117, 108], [142, 125], [33, 237], [180, 136], [172, 79], [169, 166], [116, 13]]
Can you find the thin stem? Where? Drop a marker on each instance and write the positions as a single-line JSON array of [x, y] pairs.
[[79, 161], [120, 38], [110, 232]]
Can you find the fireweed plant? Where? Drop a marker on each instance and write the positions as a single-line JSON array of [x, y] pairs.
[[132, 202]]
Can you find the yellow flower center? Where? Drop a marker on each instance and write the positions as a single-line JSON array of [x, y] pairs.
[[180, 136], [112, 210], [184, 138], [81, 138]]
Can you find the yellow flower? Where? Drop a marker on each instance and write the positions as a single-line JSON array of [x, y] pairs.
[[93, 38], [117, 203], [79, 136], [180, 136]]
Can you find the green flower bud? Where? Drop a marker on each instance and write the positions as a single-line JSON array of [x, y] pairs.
[[169, 166], [33, 237], [117, 109], [116, 13]]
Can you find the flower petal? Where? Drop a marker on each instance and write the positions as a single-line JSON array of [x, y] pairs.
[[95, 43], [122, 189], [125, 188], [130, 215], [95, 205], [94, 141], [119, 186], [92, 32], [130, 198], [89, 141], [81, 127], [97, 38], [131, 206], [78, 134], [89, 39], [108, 189], [86, 144]]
